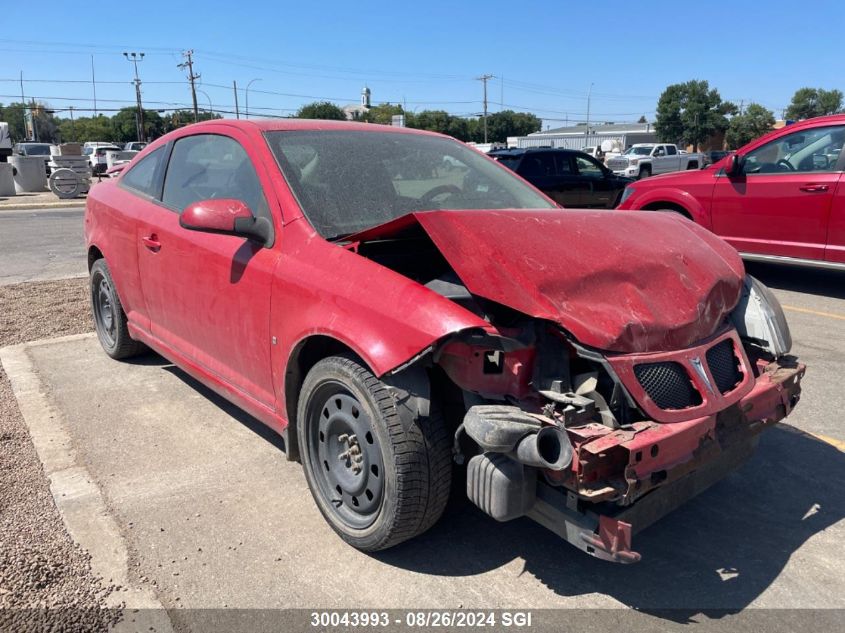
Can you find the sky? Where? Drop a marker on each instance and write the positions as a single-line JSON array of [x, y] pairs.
[[545, 57]]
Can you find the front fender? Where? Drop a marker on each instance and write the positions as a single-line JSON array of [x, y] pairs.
[[326, 290]]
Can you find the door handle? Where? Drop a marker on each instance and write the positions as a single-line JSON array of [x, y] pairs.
[[152, 243], [814, 188]]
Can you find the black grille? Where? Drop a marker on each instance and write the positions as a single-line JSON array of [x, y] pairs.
[[668, 384], [724, 365]]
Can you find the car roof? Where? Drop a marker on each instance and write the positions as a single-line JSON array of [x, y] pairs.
[[273, 125], [519, 151]]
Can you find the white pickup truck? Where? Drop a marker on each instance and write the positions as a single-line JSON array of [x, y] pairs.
[[644, 159]]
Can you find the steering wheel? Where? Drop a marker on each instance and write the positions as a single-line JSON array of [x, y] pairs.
[[783, 161], [431, 194]]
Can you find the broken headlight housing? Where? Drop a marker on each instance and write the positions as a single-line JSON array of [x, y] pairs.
[[759, 317]]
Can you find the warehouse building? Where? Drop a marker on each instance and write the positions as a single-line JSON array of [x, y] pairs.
[[581, 136]]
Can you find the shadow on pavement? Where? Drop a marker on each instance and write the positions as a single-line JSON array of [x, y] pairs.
[[713, 556], [824, 283]]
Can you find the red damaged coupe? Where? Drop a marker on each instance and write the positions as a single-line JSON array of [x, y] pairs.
[[395, 303]]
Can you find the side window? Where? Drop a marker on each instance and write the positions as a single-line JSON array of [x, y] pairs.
[[564, 165], [671, 150], [537, 165], [810, 150], [587, 167], [142, 177], [659, 151], [207, 166]]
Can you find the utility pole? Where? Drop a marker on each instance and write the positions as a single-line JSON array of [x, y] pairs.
[[589, 95], [139, 121], [189, 64], [484, 79], [23, 109], [235, 88], [94, 85]]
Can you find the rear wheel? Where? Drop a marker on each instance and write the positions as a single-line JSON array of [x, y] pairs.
[[109, 317], [378, 479]]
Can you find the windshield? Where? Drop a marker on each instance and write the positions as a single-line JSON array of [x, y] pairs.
[[348, 181], [36, 150], [639, 151]]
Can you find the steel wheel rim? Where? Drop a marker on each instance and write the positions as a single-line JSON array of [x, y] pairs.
[[344, 455], [104, 309]]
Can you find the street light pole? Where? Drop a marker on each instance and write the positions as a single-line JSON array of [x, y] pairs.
[[210, 107], [589, 95], [247, 94], [139, 121]]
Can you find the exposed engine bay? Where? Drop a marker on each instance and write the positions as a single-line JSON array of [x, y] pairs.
[[596, 443]]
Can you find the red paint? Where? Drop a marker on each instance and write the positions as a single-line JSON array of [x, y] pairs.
[[799, 215], [617, 282], [214, 215]]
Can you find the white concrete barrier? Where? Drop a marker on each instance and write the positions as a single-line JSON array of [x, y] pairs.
[[30, 175], [7, 181]]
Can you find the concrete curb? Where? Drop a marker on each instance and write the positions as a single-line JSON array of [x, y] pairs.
[[26, 206], [75, 492]]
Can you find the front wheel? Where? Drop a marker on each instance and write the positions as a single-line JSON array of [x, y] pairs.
[[377, 478], [645, 172], [109, 317]]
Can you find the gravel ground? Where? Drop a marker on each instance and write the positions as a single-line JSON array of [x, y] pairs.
[[46, 583]]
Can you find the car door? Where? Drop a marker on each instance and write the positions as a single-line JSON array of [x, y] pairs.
[[208, 295], [599, 190], [672, 162], [553, 177], [780, 201]]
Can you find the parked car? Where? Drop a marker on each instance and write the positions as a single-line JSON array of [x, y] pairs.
[[642, 160], [135, 146], [591, 369], [569, 177], [96, 153], [41, 150], [780, 198]]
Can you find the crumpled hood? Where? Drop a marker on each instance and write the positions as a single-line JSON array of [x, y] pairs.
[[620, 282]]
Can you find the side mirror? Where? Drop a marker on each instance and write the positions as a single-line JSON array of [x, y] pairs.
[[733, 165], [227, 217]]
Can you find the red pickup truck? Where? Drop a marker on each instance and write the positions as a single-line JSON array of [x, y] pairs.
[[780, 198]]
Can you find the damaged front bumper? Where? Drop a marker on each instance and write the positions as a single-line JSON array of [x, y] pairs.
[[620, 481]]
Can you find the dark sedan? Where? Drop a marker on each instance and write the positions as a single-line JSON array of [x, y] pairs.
[[570, 178]]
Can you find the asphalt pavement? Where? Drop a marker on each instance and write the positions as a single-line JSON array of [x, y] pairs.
[[41, 244]]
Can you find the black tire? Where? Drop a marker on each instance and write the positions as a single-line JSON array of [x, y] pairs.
[[109, 317], [645, 171], [396, 483]]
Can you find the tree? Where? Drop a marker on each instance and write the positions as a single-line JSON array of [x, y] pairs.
[[751, 124], [181, 118], [691, 113], [126, 129], [812, 102], [501, 125], [321, 110], [382, 113], [439, 121], [46, 124], [642, 119], [79, 130]]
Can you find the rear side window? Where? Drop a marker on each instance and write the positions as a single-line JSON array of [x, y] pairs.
[[671, 150], [538, 165], [209, 166], [142, 177]]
